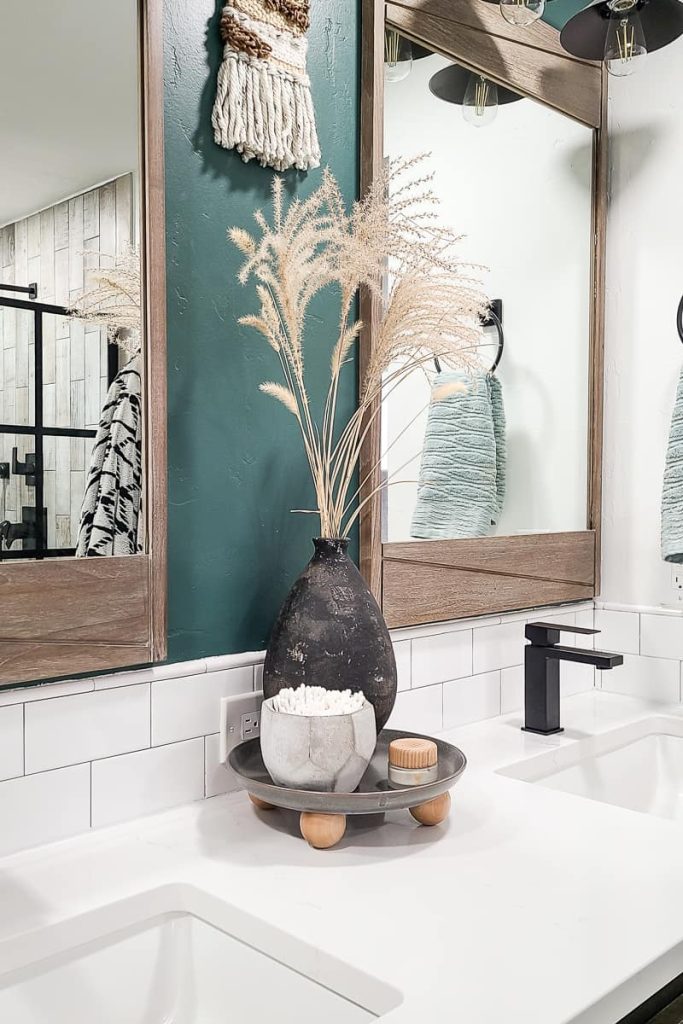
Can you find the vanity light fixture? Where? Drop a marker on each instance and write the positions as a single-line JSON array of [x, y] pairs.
[[622, 32], [399, 54], [521, 13], [478, 96]]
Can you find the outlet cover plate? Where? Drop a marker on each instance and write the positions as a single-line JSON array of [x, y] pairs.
[[240, 718]]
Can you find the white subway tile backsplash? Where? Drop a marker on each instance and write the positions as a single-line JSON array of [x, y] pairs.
[[133, 785], [150, 673], [585, 617], [45, 691], [619, 631], [42, 808], [220, 662], [650, 678], [402, 655], [74, 729], [440, 658], [471, 699], [575, 678], [11, 742], [218, 778], [418, 710], [511, 689], [191, 706], [450, 626], [151, 735], [499, 646], [661, 636]]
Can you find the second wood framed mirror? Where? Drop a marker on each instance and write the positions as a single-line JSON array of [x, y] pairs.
[[525, 183]]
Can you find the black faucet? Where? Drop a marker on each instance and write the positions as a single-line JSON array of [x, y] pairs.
[[542, 659]]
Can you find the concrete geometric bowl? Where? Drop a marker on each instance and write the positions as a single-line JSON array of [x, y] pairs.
[[327, 753]]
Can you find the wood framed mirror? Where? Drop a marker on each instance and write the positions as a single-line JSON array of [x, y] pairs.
[[543, 545], [82, 359]]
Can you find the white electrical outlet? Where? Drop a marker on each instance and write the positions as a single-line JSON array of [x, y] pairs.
[[240, 720], [677, 581]]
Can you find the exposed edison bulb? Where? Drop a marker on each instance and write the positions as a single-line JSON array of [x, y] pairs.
[[522, 12], [625, 43], [398, 56], [480, 104]]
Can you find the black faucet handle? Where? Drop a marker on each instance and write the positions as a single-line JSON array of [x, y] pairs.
[[547, 633]]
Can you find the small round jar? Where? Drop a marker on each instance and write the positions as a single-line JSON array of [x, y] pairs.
[[413, 762]]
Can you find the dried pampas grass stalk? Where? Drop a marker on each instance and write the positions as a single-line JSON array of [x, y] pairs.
[[113, 300], [431, 310]]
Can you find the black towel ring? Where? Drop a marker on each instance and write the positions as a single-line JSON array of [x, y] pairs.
[[679, 319], [493, 320]]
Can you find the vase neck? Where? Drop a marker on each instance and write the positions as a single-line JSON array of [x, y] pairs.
[[326, 547]]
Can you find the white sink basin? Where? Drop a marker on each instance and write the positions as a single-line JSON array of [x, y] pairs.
[[638, 766], [176, 956]]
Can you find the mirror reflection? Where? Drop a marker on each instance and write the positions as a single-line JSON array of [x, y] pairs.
[[70, 308], [508, 453]]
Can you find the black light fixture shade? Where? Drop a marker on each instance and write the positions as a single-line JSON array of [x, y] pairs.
[[585, 34], [450, 84]]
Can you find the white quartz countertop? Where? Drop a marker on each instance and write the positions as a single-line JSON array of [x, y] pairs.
[[529, 906]]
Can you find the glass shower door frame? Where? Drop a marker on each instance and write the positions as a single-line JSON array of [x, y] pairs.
[[38, 430]]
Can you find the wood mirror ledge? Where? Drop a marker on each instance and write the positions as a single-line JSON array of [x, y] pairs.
[[72, 616], [419, 582]]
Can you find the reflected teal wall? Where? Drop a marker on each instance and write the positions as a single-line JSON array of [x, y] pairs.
[[558, 12], [235, 467]]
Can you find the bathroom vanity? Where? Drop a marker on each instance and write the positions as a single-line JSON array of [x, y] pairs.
[[535, 904]]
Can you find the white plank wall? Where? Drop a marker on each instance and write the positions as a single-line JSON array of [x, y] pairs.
[[56, 248]]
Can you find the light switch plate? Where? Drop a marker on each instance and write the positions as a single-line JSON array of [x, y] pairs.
[[240, 720]]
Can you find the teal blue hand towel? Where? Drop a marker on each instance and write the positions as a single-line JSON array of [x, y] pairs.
[[461, 487], [672, 491]]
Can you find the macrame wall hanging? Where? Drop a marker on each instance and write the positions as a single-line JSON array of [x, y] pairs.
[[263, 105]]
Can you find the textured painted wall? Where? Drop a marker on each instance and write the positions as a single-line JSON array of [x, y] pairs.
[[558, 12], [235, 466]]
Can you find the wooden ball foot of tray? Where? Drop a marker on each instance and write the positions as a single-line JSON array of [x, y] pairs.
[[261, 804], [322, 831], [433, 812]]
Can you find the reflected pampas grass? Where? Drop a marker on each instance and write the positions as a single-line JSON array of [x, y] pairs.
[[429, 307]]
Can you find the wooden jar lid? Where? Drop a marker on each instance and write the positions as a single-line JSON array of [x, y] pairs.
[[412, 753]]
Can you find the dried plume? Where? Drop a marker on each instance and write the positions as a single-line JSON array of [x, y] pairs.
[[391, 242], [113, 300]]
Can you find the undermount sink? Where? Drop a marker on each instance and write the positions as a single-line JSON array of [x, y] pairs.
[[638, 766], [177, 956]]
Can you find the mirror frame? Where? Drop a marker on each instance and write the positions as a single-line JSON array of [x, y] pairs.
[[418, 582], [73, 616]]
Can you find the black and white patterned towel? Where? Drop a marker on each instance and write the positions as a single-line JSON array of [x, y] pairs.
[[110, 511]]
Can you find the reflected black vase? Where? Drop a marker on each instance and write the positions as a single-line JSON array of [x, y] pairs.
[[330, 632]]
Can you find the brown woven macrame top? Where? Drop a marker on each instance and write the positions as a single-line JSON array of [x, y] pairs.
[[241, 38], [295, 11]]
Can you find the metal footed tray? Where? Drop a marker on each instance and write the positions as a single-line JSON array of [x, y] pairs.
[[374, 795]]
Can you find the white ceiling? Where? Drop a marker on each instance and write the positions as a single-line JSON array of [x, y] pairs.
[[68, 99]]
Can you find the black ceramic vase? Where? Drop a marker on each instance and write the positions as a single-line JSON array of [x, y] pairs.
[[330, 632]]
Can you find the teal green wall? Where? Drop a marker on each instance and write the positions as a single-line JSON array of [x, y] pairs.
[[558, 12], [235, 467]]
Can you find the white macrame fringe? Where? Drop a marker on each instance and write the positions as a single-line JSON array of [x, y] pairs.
[[265, 115]]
